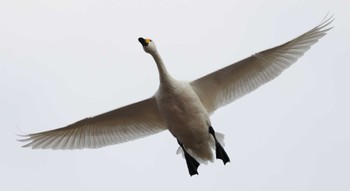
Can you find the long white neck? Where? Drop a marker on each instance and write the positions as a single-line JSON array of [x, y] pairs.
[[164, 76]]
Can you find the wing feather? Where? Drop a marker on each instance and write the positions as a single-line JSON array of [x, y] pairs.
[[234, 81], [124, 124]]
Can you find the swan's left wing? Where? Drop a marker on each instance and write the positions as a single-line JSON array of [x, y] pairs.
[[234, 81], [120, 125]]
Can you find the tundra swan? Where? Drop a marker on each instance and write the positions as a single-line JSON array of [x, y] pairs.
[[181, 107]]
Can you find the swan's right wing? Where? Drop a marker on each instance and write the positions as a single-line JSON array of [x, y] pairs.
[[124, 124], [234, 81]]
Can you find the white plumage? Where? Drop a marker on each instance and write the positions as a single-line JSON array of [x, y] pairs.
[[181, 107]]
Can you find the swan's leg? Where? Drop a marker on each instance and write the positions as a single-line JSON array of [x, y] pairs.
[[220, 152], [192, 164]]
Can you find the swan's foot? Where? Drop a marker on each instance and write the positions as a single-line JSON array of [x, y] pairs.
[[220, 152], [192, 163]]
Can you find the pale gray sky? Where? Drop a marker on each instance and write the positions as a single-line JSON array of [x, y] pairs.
[[64, 60]]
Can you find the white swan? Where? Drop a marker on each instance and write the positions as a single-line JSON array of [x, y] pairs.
[[181, 107]]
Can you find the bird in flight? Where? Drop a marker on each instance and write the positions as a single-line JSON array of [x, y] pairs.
[[183, 108]]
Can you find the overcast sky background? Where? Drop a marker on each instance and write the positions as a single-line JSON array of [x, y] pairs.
[[64, 60]]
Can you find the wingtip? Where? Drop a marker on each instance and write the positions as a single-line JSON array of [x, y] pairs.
[[28, 145], [22, 138], [25, 138], [326, 21]]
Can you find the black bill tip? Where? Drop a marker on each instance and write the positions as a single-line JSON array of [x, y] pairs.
[[143, 41]]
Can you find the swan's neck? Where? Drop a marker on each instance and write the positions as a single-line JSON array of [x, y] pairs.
[[164, 76]]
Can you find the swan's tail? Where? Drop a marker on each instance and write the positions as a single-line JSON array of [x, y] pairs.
[[204, 160]]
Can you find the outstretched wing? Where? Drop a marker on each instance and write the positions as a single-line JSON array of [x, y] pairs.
[[124, 124], [234, 81]]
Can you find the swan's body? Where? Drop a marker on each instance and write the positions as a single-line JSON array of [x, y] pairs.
[[181, 107], [190, 126]]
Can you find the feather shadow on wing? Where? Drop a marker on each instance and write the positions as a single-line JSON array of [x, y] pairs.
[[243, 77], [124, 124]]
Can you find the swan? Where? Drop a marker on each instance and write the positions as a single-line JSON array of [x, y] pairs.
[[183, 108]]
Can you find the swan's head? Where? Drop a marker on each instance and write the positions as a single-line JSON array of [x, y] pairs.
[[148, 45]]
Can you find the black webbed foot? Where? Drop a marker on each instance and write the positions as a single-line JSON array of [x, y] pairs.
[[220, 152], [192, 163]]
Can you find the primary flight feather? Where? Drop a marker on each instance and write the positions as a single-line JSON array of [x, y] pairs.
[[183, 108]]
